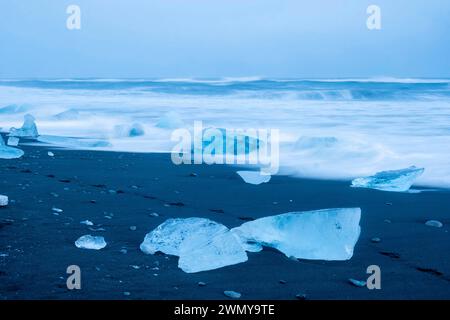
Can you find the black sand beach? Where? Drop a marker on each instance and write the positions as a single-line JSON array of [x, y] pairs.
[[37, 246]]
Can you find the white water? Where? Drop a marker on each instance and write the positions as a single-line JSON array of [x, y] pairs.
[[342, 137]]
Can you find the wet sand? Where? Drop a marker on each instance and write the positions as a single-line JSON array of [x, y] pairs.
[[120, 190]]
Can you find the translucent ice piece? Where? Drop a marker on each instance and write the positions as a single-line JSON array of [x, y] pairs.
[[28, 129], [90, 242], [254, 177]]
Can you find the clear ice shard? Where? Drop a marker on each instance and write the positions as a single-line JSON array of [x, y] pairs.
[[202, 244], [75, 143], [28, 129], [254, 177], [395, 180], [90, 242], [329, 234], [9, 152], [13, 141]]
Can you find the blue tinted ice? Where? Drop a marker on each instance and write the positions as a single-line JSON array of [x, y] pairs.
[[395, 180], [28, 129]]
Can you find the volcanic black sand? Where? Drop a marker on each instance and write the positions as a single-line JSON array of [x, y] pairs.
[[120, 190]]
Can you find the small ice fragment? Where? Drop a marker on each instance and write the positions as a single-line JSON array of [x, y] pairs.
[[232, 294], [87, 222], [50, 154], [357, 283], [135, 267], [171, 120], [9, 152], [13, 141], [133, 228], [3, 201], [395, 180], [434, 223], [126, 293], [201, 284], [57, 210], [90, 242], [28, 128], [375, 240], [254, 177]]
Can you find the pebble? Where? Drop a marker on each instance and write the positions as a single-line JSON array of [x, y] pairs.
[[283, 281], [133, 228], [232, 294], [126, 293], [154, 214], [387, 221], [201, 284], [301, 296], [434, 223], [357, 283], [123, 251]]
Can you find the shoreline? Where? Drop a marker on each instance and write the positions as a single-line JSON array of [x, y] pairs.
[[413, 258]]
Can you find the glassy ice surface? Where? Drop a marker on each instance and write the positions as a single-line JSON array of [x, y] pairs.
[[9, 152], [90, 242], [200, 243], [254, 177], [329, 234], [203, 244], [395, 180], [28, 129]]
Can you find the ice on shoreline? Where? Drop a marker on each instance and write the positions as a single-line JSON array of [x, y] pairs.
[[170, 120], [90, 242], [395, 180], [28, 129], [254, 177], [135, 130], [329, 234], [9, 152], [202, 244]]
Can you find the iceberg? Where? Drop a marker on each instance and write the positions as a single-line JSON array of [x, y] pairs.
[[171, 120], [254, 177], [329, 234], [70, 142], [395, 180], [202, 244], [28, 129], [9, 152], [90, 242]]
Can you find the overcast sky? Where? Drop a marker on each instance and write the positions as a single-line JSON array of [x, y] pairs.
[[224, 38]]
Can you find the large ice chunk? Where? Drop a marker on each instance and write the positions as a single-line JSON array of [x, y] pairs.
[[14, 109], [28, 129], [9, 152], [395, 180], [200, 243], [254, 177], [329, 234], [90, 242], [203, 244], [75, 143]]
